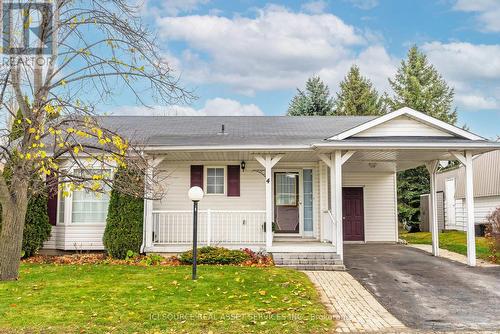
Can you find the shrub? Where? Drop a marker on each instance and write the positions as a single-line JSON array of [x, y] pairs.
[[215, 255], [123, 231], [493, 235], [260, 259], [153, 259]]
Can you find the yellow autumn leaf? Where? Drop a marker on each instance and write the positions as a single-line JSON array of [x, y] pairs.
[[262, 292]]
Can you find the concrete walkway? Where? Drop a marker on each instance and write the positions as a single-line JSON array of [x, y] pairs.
[[353, 306], [452, 255]]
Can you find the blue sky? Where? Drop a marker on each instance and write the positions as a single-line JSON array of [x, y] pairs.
[[248, 57]]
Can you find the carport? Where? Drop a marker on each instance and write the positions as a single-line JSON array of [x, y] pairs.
[[382, 144]]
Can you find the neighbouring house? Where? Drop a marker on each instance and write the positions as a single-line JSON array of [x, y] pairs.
[[450, 187], [283, 184]]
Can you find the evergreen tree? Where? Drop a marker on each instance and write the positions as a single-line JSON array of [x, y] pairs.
[[314, 101], [418, 85], [357, 96], [124, 222]]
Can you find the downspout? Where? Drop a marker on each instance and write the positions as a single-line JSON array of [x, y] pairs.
[[143, 243]]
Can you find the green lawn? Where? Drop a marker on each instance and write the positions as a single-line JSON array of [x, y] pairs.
[[131, 299], [455, 241]]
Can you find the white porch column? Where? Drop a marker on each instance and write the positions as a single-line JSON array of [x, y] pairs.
[[432, 168], [147, 237], [469, 197], [148, 211], [268, 163], [335, 162], [466, 160], [336, 198]]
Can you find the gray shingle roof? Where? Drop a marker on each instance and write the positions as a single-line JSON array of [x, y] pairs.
[[240, 130]]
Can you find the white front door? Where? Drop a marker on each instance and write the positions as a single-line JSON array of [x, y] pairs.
[[450, 201]]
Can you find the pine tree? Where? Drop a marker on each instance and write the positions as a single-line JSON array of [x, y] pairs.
[[314, 101], [418, 85], [357, 96]]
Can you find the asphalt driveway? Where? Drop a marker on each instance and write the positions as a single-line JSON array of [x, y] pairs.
[[426, 292]]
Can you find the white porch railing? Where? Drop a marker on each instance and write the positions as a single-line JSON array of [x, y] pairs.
[[329, 228], [214, 227]]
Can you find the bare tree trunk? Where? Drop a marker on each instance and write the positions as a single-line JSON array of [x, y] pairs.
[[11, 238]]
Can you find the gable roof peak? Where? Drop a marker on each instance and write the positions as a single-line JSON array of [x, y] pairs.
[[414, 114]]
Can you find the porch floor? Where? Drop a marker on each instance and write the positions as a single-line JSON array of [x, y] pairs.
[[292, 245], [301, 246]]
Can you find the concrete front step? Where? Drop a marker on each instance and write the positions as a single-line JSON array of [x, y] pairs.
[[333, 267], [307, 261], [305, 255]]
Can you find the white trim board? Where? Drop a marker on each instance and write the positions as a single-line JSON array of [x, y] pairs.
[[426, 119]]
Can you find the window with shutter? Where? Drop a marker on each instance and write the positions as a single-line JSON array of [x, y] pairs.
[[233, 180], [197, 176]]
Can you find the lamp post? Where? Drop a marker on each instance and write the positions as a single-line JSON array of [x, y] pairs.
[[195, 194]]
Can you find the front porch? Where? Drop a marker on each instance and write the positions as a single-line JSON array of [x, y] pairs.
[[248, 220], [172, 232], [240, 221]]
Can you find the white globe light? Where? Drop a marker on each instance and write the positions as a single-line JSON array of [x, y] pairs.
[[195, 194]]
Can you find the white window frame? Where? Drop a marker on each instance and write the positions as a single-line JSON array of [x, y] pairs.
[[89, 191], [205, 180], [68, 200]]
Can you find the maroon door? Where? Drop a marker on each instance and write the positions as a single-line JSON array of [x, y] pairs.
[[353, 212]]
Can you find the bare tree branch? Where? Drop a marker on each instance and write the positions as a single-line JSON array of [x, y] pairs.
[[98, 47]]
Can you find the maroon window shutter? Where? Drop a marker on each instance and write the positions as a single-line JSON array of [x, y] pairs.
[[233, 180], [197, 176], [52, 200]]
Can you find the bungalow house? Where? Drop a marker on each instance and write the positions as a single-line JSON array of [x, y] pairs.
[[287, 185]]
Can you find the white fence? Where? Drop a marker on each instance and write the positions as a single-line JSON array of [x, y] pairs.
[[214, 227]]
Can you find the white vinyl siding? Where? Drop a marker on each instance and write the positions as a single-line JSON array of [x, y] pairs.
[[379, 204], [379, 201], [87, 215], [177, 183], [76, 237], [252, 188], [483, 206], [405, 127], [379, 195]]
